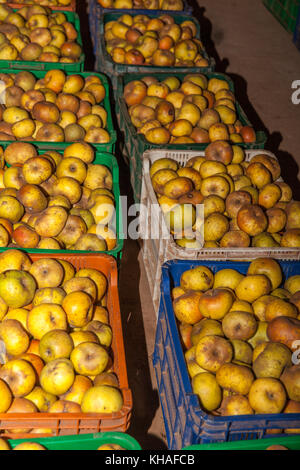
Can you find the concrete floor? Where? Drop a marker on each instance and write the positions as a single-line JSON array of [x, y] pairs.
[[250, 46]]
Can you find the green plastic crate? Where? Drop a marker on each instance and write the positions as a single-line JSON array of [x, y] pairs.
[[109, 146], [135, 144], [83, 441], [105, 63], [291, 442], [110, 162], [36, 65], [285, 11]]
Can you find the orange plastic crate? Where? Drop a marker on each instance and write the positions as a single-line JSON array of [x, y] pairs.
[[82, 423], [71, 7]]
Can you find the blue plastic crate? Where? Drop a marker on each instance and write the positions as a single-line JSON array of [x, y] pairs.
[[96, 10], [185, 423], [297, 31]]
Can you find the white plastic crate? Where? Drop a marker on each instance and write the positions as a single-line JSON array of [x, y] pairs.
[[155, 251]]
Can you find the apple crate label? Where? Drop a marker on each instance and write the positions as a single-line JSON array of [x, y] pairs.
[[128, 461]]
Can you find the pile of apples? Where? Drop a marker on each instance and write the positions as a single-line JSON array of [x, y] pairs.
[[142, 40], [55, 201], [244, 202], [56, 108], [56, 339], [176, 5], [48, 3], [35, 33], [195, 110], [241, 334]]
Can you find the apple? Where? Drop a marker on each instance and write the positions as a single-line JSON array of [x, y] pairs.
[[239, 325], [102, 330], [209, 392], [55, 344], [78, 307], [253, 286], [76, 392], [29, 446], [46, 317], [235, 405], [235, 378], [47, 272], [19, 375], [89, 359], [102, 399], [57, 376], [15, 337], [267, 395], [215, 303], [6, 397], [41, 399], [21, 405], [272, 361], [212, 351], [17, 288], [186, 307]]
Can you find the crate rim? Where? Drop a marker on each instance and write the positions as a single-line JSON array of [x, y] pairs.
[[108, 436]]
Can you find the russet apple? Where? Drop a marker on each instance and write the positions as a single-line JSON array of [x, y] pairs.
[[55, 344], [89, 359], [21, 405], [41, 399], [212, 351], [19, 375], [253, 286], [267, 395], [235, 378], [272, 361], [102, 399], [57, 376], [47, 272], [209, 392], [46, 317], [78, 306]]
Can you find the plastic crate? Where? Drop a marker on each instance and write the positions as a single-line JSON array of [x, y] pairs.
[[82, 423], [36, 65], [105, 63], [108, 147], [110, 162], [134, 144], [291, 443], [297, 31], [155, 251], [285, 11], [95, 11], [186, 423], [83, 442], [71, 7]]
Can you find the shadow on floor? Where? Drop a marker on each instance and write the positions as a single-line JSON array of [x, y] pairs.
[[206, 28], [82, 11], [145, 399]]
